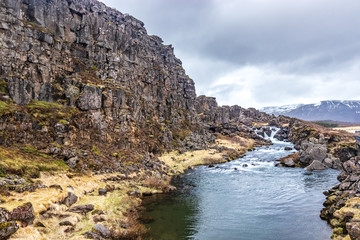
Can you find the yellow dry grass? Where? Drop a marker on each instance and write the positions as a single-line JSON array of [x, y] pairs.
[[179, 162], [350, 129], [115, 204]]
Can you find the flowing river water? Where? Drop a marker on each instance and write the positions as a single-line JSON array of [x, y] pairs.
[[247, 199]]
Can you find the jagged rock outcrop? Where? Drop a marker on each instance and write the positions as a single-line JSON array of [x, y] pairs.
[[119, 85], [341, 208], [229, 120]]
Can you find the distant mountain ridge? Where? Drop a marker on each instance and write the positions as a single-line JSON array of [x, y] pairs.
[[335, 110]]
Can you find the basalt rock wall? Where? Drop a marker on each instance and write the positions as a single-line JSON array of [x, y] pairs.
[[126, 88]]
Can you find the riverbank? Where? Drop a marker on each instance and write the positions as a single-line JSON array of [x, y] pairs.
[[243, 198], [67, 205]]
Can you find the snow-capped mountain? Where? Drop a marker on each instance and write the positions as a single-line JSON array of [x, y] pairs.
[[344, 111]]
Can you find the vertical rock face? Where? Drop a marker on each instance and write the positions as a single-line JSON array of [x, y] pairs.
[[51, 46], [129, 87]]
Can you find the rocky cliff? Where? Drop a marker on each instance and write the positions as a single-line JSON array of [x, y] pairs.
[[78, 75]]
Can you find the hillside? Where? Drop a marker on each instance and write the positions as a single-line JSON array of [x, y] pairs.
[[343, 111]]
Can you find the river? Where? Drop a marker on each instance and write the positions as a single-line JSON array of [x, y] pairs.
[[245, 199]]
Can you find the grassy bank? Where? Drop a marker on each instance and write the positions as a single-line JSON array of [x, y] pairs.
[[117, 210]]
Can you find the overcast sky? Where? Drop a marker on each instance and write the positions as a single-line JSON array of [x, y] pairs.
[[258, 53]]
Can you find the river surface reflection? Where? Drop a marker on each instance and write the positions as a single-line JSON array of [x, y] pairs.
[[247, 199]]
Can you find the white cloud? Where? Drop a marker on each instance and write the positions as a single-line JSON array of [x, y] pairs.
[[266, 85]]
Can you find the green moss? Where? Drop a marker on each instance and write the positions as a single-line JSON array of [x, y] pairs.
[[3, 86], [63, 121], [95, 150], [45, 113], [4, 107], [41, 105], [29, 150], [28, 162], [338, 231]]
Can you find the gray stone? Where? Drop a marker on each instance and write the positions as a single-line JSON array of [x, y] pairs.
[[328, 162], [4, 215], [353, 229], [83, 209], [315, 165], [318, 152], [90, 98], [102, 230], [7, 229], [349, 166], [288, 162], [66, 223], [72, 162], [70, 199], [102, 191]]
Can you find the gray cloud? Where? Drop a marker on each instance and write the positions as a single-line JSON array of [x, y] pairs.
[[300, 50]]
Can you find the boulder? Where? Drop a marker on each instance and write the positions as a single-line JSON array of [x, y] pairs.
[[4, 215], [353, 229], [66, 223], [102, 230], [328, 162], [70, 199], [102, 191], [288, 162], [24, 214], [90, 98], [82, 209], [315, 165], [318, 152], [98, 231], [7, 229]]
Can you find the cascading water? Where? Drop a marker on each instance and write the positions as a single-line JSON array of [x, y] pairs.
[[246, 199]]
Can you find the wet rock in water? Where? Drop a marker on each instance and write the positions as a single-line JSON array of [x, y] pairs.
[[82, 209], [24, 214], [169, 188], [315, 165], [102, 191], [211, 166], [288, 162], [70, 199], [288, 148], [245, 165], [7, 229]]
